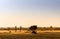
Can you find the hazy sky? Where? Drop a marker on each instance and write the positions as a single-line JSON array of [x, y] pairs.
[[29, 12]]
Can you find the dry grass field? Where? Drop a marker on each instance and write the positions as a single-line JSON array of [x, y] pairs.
[[31, 36], [28, 35]]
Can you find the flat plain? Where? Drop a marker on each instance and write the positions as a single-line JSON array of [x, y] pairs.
[[40, 35]]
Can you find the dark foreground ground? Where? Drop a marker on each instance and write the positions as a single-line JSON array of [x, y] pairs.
[[31, 36]]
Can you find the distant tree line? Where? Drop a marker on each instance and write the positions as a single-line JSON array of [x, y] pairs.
[[29, 28], [33, 29]]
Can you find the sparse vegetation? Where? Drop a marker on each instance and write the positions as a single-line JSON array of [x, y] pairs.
[[33, 29], [15, 28], [24, 33]]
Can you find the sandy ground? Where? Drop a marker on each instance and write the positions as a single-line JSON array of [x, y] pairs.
[[24, 32], [50, 35]]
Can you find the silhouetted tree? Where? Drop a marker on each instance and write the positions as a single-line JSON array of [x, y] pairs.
[[15, 28], [33, 28], [51, 28], [20, 28]]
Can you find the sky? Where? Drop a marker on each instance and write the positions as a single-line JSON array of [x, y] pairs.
[[44, 13]]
